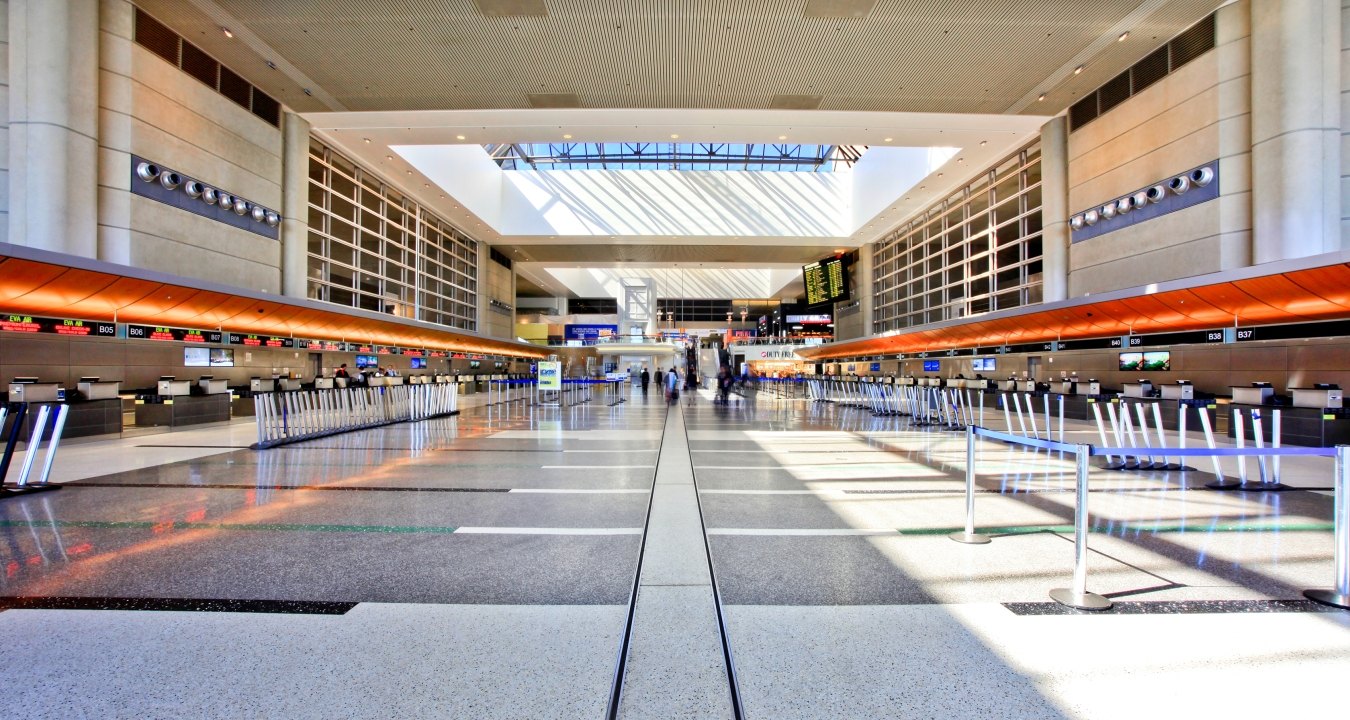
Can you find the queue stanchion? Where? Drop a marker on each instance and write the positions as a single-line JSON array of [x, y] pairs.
[[30, 452], [970, 537], [1078, 596], [1339, 594]]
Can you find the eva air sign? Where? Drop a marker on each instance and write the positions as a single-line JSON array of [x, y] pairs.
[[550, 375]]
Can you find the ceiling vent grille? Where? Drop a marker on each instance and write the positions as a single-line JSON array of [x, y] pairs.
[[512, 8], [838, 8], [1189, 45], [160, 40], [554, 100], [795, 102]]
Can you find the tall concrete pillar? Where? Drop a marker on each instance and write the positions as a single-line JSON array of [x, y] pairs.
[[295, 206], [862, 276], [1055, 237], [53, 121], [1295, 128]]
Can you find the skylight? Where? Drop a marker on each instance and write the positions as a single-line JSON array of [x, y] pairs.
[[784, 157]]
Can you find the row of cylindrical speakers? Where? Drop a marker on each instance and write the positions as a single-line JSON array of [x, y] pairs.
[[150, 172], [1198, 177]]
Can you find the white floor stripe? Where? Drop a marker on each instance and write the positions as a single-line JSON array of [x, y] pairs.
[[596, 467], [802, 531], [652, 450], [581, 491], [770, 492], [546, 531]]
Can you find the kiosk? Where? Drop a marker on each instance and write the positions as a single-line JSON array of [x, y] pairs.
[[1258, 393], [1141, 389]]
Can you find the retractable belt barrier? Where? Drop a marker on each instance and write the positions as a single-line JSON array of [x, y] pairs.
[[42, 429], [291, 416], [1077, 595], [508, 391]]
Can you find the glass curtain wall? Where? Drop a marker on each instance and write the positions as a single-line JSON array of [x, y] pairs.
[[371, 247], [976, 252]]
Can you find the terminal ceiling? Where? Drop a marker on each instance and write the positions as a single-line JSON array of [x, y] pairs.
[[391, 60]]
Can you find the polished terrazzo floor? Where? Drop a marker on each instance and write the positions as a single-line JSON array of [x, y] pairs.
[[482, 565]]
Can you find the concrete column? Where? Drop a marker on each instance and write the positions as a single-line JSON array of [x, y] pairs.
[[295, 206], [53, 119], [862, 276], [1055, 209], [1295, 128]]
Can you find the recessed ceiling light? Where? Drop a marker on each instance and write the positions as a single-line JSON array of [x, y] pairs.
[[367, 140], [409, 172], [426, 185], [388, 157], [782, 137], [886, 139], [567, 137], [459, 137], [674, 137], [960, 159], [1078, 70], [226, 32], [1041, 98], [1123, 36], [983, 143]]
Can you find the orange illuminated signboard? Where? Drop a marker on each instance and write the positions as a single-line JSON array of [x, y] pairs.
[[261, 341], [168, 334], [56, 326]]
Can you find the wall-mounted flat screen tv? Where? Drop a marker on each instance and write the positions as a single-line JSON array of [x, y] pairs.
[[419, 363], [932, 365], [1131, 361], [1157, 360], [222, 357], [197, 357], [983, 364], [826, 281], [367, 361]]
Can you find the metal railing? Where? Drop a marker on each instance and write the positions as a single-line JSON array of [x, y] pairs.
[[1077, 595], [291, 416]]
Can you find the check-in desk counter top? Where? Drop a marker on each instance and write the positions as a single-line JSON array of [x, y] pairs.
[[1317, 398], [289, 384], [1141, 389], [324, 383], [1008, 385], [1026, 386], [930, 382], [1179, 391], [906, 381], [83, 419], [212, 386], [1065, 387], [1252, 394], [36, 392], [262, 385], [99, 389]]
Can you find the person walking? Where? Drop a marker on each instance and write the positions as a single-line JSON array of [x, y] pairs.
[[672, 385], [646, 379]]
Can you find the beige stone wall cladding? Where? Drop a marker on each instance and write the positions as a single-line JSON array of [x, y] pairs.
[[499, 285], [151, 108], [4, 120], [1345, 122], [1200, 112]]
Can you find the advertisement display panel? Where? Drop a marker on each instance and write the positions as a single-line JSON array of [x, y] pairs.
[[550, 375]]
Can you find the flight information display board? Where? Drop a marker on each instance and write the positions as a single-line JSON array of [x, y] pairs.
[[168, 334], [56, 326], [270, 341], [826, 281]]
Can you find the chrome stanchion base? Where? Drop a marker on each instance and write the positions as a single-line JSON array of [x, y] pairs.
[[1224, 484], [1329, 597], [1263, 487], [1113, 466], [1179, 467], [1081, 601], [970, 538]]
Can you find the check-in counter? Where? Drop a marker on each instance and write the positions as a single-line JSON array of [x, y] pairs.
[[1141, 389], [260, 385], [907, 380], [1027, 386], [1066, 387], [92, 388], [286, 384], [1094, 388], [36, 392], [930, 382], [1258, 393], [1182, 390], [1321, 396], [1009, 385], [209, 385], [323, 383], [172, 387]]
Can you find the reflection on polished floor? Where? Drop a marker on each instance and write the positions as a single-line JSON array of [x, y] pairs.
[[482, 566]]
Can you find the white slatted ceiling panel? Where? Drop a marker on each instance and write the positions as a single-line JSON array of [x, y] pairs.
[[915, 55]]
